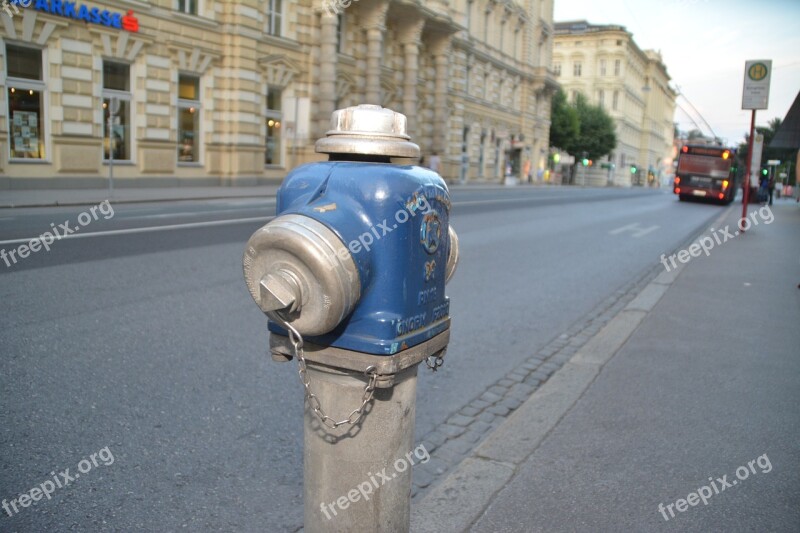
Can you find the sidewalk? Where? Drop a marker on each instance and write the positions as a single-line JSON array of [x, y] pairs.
[[53, 197], [695, 380], [76, 197]]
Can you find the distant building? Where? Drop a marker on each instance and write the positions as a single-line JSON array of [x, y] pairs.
[[605, 64], [237, 91]]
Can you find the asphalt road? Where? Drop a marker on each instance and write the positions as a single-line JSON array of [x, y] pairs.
[[147, 343]]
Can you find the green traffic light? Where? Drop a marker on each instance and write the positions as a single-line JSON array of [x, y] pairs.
[[585, 162], [633, 170], [764, 171]]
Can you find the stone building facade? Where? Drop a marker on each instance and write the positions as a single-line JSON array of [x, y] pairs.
[[605, 64], [237, 91]]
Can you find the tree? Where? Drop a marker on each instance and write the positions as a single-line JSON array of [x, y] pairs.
[[581, 127], [695, 134], [767, 153], [564, 126], [597, 136]]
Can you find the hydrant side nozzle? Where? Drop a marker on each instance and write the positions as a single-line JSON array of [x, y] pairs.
[[298, 269], [452, 257], [280, 291]]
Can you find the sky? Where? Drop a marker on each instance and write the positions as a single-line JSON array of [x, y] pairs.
[[704, 44]]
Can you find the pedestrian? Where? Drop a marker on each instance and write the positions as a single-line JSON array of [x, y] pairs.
[[779, 189], [763, 190], [771, 187], [435, 162]]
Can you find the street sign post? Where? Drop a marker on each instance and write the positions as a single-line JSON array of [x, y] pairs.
[[755, 95]]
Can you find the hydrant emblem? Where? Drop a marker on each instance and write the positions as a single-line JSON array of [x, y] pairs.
[[431, 232]]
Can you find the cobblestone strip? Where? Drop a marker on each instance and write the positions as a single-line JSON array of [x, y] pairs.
[[453, 440]]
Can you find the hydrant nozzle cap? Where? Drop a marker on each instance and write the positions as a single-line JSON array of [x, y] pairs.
[[368, 130]]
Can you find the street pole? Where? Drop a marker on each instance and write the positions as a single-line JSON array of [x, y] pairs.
[[110, 155], [113, 109], [749, 166]]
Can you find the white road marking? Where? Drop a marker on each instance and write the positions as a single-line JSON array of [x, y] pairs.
[[635, 229], [131, 231], [506, 200]]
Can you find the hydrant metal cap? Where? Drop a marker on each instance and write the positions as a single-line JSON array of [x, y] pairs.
[[368, 130]]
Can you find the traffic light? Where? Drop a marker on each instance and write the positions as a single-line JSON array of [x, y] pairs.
[[590, 162], [556, 157], [634, 169], [764, 172], [585, 162]]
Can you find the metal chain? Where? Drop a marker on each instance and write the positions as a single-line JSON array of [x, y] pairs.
[[371, 372]]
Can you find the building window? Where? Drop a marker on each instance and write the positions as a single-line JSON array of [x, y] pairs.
[[467, 80], [576, 69], [188, 6], [486, 21], [615, 100], [117, 85], [188, 118], [340, 34], [557, 69], [601, 97], [617, 67], [274, 17], [622, 160], [274, 118], [469, 16], [602, 67], [25, 102]]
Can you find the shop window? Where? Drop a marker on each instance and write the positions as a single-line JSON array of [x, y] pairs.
[[274, 119], [188, 118], [116, 85], [25, 86]]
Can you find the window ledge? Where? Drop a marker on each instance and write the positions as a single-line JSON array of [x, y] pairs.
[[190, 164], [120, 162], [28, 161], [142, 5], [196, 20]]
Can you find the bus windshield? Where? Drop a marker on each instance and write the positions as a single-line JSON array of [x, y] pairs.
[[709, 162]]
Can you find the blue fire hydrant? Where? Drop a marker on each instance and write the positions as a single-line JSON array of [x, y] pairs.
[[360, 251], [351, 274]]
